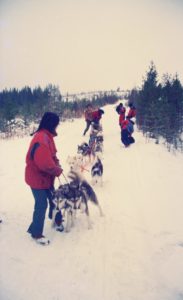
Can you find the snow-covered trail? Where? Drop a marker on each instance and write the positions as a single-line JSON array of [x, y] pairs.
[[134, 252]]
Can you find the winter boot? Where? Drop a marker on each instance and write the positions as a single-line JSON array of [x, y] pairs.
[[42, 240], [60, 227]]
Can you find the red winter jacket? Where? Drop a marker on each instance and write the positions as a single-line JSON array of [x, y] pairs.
[[124, 124], [132, 112], [42, 165], [122, 115], [96, 116]]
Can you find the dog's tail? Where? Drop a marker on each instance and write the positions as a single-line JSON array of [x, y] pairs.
[[89, 192]]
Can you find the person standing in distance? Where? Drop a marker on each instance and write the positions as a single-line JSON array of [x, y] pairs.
[[88, 117]]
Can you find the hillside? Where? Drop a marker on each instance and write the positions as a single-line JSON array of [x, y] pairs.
[[134, 252]]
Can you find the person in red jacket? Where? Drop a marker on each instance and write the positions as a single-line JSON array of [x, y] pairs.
[[132, 111], [42, 166], [88, 117], [97, 115], [122, 115], [126, 132]]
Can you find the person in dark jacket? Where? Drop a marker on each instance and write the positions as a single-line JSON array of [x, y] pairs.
[[42, 166], [126, 132], [88, 117], [119, 107]]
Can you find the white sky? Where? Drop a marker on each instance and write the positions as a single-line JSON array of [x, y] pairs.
[[88, 44]]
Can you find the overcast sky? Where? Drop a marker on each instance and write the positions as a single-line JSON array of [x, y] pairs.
[[84, 45]]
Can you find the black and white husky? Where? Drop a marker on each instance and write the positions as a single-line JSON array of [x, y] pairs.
[[73, 196], [84, 149], [97, 172], [87, 152]]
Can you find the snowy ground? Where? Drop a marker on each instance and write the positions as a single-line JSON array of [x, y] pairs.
[[135, 252]]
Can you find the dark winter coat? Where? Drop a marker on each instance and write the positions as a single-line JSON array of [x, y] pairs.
[[42, 165], [119, 107]]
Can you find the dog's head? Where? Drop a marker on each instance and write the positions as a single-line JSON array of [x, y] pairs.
[[97, 169], [98, 162], [83, 149], [99, 148], [100, 139], [62, 191], [71, 160], [75, 162], [74, 184], [60, 196]]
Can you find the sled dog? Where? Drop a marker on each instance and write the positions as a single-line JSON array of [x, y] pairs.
[[97, 172], [96, 139], [83, 149], [78, 164], [87, 152], [73, 196]]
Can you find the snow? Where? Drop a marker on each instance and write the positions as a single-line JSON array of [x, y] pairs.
[[134, 252]]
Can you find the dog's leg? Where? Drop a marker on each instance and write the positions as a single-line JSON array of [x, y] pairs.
[[53, 217], [88, 216], [64, 213], [82, 207], [100, 210], [99, 207], [89, 222], [73, 217], [68, 221]]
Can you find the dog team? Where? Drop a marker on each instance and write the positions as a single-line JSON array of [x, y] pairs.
[[42, 167]]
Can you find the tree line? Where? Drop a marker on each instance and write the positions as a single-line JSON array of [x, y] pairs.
[[20, 108], [160, 108]]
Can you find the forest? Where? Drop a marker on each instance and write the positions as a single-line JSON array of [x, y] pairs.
[[22, 109], [159, 107]]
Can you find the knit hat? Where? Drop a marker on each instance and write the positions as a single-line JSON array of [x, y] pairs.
[[101, 111]]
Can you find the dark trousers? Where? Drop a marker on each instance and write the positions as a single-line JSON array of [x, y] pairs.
[[88, 123], [126, 138], [41, 198], [131, 139]]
